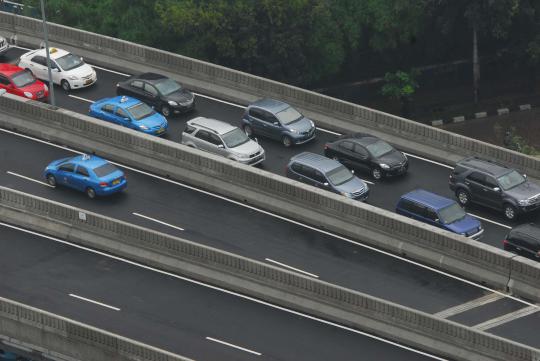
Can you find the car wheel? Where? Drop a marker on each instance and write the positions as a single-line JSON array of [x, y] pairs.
[[51, 180], [376, 173], [463, 197], [248, 130], [65, 85], [286, 141], [165, 111], [510, 212], [91, 193]]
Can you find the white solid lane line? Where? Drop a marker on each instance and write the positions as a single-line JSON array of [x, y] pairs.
[[79, 98], [234, 346], [158, 221], [484, 300], [490, 221], [28, 178], [509, 317], [429, 160], [220, 101], [94, 302], [239, 295], [291, 268], [292, 221], [110, 71]]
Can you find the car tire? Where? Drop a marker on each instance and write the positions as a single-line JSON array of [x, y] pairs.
[[65, 85], [376, 173], [510, 212], [286, 141], [90, 192], [463, 197], [166, 111], [51, 180], [248, 130]]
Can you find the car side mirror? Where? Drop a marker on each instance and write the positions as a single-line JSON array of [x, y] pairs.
[[82, 58], [220, 146], [276, 123], [496, 189], [125, 118], [437, 220], [326, 184], [352, 171], [55, 70], [525, 176], [255, 139]]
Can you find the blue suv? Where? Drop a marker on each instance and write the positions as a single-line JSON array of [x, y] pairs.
[[440, 212], [277, 120]]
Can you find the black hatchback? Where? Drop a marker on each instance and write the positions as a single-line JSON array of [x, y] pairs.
[[164, 94], [365, 152], [524, 240]]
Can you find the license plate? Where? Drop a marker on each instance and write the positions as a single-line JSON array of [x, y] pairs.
[[161, 130], [89, 81], [116, 181]]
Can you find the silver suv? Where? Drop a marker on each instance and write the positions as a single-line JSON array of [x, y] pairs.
[[221, 138]]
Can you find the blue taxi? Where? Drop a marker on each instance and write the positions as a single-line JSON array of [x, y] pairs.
[[86, 173], [131, 113]]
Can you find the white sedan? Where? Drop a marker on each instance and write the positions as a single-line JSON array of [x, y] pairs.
[[67, 70]]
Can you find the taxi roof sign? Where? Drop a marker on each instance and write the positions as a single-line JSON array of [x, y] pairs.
[[85, 156], [123, 99], [53, 50]]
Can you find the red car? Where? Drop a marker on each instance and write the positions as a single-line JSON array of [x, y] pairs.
[[21, 82]]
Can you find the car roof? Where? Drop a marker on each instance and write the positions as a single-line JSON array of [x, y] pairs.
[[271, 105], [10, 69], [88, 160], [215, 125], [427, 198], [360, 138], [54, 53], [528, 229], [316, 161], [150, 77], [128, 101], [484, 165]]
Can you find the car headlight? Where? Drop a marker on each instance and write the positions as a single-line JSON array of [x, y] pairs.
[[346, 194], [143, 127], [242, 155], [463, 233], [45, 87], [384, 166], [404, 155], [72, 77], [293, 130], [172, 103], [28, 95], [523, 202], [312, 124]]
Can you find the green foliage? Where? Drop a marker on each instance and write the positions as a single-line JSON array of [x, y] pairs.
[[400, 85], [518, 143]]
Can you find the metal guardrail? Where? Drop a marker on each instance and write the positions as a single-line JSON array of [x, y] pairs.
[[209, 75], [256, 279], [53, 334]]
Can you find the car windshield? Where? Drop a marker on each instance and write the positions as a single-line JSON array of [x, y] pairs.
[[168, 86], [23, 78], [69, 61], [451, 213], [105, 169], [234, 138], [288, 116], [379, 148], [510, 180], [339, 175], [140, 111]]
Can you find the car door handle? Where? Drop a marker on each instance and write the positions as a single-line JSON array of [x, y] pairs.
[[467, 183]]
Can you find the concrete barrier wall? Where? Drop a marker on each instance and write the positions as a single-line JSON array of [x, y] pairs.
[[259, 280], [55, 336], [242, 87], [357, 220]]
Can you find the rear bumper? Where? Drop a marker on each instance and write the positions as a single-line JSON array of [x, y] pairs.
[[105, 191]]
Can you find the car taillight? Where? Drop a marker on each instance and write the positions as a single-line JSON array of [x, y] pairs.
[[326, 146], [103, 184], [505, 242]]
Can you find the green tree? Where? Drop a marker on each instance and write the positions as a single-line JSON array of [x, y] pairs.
[[401, 86]]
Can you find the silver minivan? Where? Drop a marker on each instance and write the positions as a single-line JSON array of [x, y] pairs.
[[223, 139]]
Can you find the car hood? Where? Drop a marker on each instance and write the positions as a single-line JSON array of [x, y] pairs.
[[467, 224], [81, 71], [180, 96], [33, 88], [302, 125], [248, 147], [524, 191], [354, 185], [55, 163], [392, 158], [154, 120]]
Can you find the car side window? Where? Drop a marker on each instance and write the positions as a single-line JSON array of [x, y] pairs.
[[477, 178], [215, 139], [347, 146], [256, 113], [308, 171], [137, 84], [109, 108], [4, 80], [39, 60], [431, 214], [413, 207], [319, 177], [121, 113], [150, 89], [82, 171], [203, 135], [189, 129], [358, 149], [270, 118], [68, 167], [491, 182]]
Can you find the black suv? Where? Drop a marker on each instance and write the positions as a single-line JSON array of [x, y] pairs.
[[524, 240], [494, 185]]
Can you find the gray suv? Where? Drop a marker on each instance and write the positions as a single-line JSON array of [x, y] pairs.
[[494, 185], [221, 138], [328, 174]]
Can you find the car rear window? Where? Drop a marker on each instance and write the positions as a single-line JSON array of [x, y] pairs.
[[105, 169]]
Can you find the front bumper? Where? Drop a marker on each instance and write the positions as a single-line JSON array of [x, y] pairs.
[[255, 160], [302, 138], [82, 82], [183, 108], [396, 171]]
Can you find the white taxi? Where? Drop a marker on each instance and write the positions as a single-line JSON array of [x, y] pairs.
[[67, 70]]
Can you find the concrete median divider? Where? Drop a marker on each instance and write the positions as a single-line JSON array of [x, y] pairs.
[[358, 221], [256, 279], [58, 338], [241, 87]]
